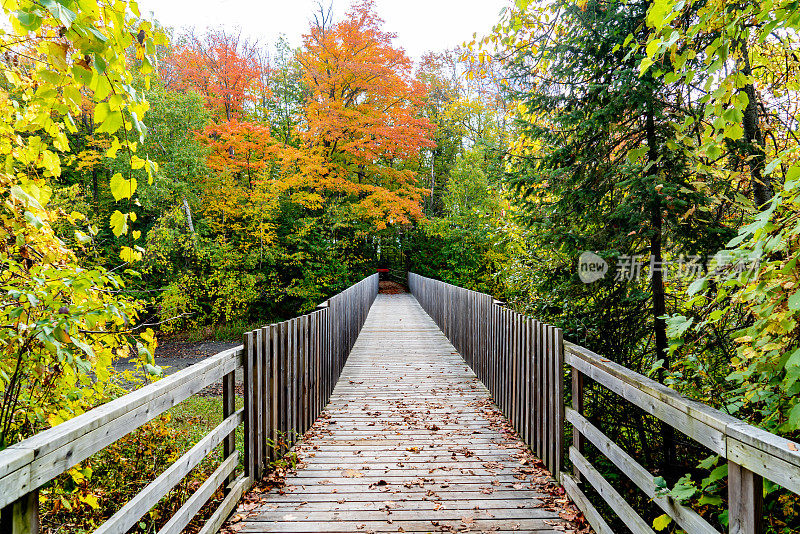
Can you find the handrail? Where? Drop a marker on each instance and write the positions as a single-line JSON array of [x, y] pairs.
[[29, 464], [518, 359], [523, 367], [751, 453], [325, 339]]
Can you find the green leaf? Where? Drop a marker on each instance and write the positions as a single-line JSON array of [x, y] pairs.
[[734, 131], [794, 301], [129, 255], [119, 223], [652, 47], [771, 166], [24, 197], [685, 488], [122, 188], [62, 14], [101, 112], [713, 500], [661, 522], [717, 474], [657, 14], [30, 21], [644, 65], [696, 286], [82, 74], [709, 462], [794, 418], [137, 162]]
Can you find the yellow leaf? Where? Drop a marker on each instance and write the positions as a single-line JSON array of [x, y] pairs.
[[661, 522]]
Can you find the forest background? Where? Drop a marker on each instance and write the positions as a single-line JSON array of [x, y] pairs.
[[160, 182]]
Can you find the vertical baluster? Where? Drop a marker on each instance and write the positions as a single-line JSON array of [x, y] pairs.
[[249, 419], [558, 399], [275, 404], [258, 414], [228, 409], [284, 386]]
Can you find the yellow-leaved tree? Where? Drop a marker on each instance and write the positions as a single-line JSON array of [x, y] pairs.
[[62, 325]]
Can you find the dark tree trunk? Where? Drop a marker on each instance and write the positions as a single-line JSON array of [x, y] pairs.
[[754, 137], [657, 289], [95, 186]]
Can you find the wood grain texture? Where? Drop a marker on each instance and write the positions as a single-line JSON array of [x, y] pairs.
[[409, 440]]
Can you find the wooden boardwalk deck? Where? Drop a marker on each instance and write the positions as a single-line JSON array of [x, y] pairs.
[[410, 442]]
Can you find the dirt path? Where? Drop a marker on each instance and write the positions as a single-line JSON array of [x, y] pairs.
[[174, 355]]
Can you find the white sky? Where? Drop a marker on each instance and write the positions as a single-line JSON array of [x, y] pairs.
[[420, 25]]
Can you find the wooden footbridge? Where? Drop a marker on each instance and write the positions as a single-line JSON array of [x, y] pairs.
[[436, 411]]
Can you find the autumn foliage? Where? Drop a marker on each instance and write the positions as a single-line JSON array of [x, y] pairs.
[[364, 115], [223, 67], [359, 122]]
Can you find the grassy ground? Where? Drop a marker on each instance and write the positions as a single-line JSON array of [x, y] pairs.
[[197, 416], [84, 497]]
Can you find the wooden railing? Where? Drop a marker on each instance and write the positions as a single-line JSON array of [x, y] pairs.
[[751, 453], [30, 464], [521, 361], [291, 368], [299, 359], [518, 359]]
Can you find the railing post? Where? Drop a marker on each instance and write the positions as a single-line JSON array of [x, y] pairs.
[[745, 500], [577, 405], [228, 408], [21, 516]]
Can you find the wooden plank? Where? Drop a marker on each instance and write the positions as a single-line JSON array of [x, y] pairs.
[[558, 398], [37, 460], [235, 492], [266, 387], [134, 509], [274, 332], [548, 391], [258, 404], [249, 408], [624, 511], [284, 386], [200, 497], [305, 366], [291, 355], [539, 406], [571, 486], [687, 518]]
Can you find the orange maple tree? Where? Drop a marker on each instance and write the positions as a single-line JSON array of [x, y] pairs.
[[223, 67], [240, 147], [363, 117]]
